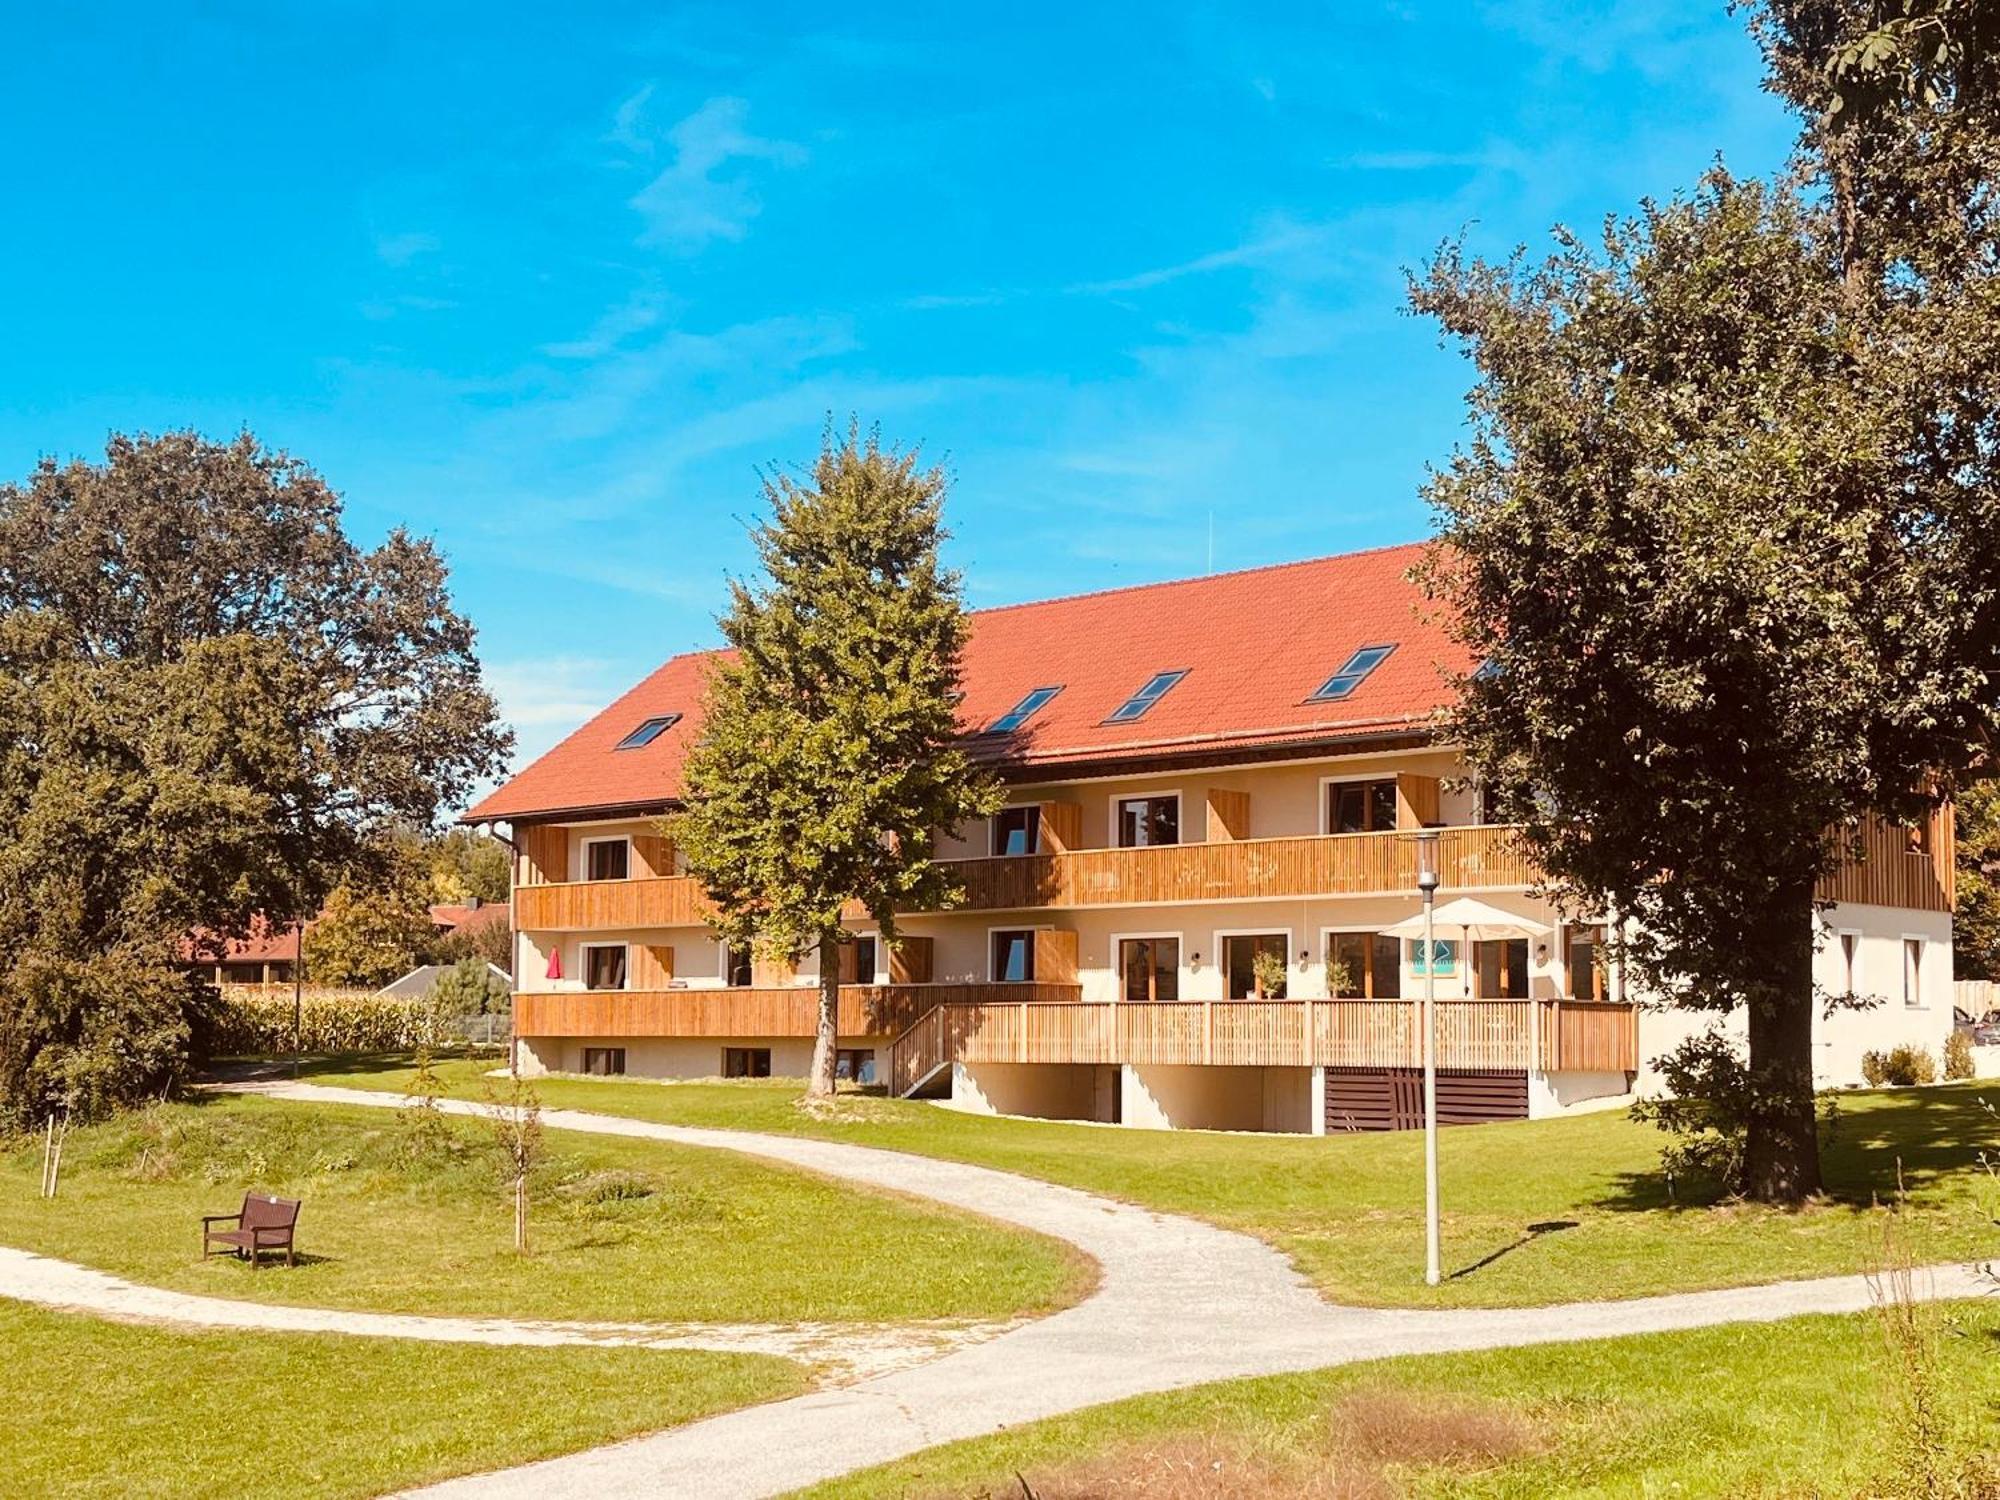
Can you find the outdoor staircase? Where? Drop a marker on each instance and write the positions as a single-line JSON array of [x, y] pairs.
[[919, 1060]]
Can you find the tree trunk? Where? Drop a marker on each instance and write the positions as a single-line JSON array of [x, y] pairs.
[[1781, 1145], [826, 1039]]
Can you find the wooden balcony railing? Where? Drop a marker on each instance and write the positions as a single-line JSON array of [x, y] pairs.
[[865, 1009], [1544, 1035], [1342, 864]]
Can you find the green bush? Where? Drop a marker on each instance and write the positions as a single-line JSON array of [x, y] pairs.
[[1899, 1067], [261, 1026], [1958, 1056]]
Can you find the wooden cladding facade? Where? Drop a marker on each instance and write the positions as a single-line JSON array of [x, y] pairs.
[[875, 1010], [1505, 1035], [1899, 865]]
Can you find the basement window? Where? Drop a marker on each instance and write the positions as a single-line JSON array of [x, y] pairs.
[[1023, 711], [1343, 683], [648, 731], [1141, 703]]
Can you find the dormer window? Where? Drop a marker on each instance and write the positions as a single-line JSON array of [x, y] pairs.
[[1023, 711], [1140, 703], [648, 731], [1343, 683]]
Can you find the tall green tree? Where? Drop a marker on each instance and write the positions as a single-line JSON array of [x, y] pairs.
[[1975, 923], [1728, 529], [213, 705], [828, 761]]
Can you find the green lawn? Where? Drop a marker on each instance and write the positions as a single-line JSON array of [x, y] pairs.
[[620, 1230], [98, 1409], [1541, 1211], [1804, 1408]]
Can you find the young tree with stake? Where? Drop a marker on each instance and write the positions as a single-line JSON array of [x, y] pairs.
[[828, 761]]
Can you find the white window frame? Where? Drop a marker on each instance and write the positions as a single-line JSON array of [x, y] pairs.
[[583, 967], [1850, 966], [1370, 929], [1221, 963], [991, 977], [993, 831], [1326, 785], [1118, 941], [1147, 794], [583, 853], [1913, 994]]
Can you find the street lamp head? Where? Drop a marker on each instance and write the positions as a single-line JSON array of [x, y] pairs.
[[1427, 881], [1427, 861]]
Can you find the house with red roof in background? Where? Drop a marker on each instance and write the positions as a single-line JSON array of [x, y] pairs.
[[1197, 907]]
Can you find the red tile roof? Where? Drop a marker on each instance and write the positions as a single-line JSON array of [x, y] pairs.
[[451, 917], [265, 944], [1255, 646]]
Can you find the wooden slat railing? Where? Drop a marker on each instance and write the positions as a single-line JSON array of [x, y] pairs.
[[865, 1009], [1503, 1034], [1341, 864]]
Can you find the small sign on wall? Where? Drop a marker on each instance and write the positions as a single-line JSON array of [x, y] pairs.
[[1441, 960]]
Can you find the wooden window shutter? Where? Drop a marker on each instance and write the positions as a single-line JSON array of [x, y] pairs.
[[1416, 801], [771, 973], [910, 961], [544, 855], [652, 966], [1228, 815], [1055, 956], [653, 854], [1062, 827], [849, 964]]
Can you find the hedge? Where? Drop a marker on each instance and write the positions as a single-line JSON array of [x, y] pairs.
[[251, 1026]]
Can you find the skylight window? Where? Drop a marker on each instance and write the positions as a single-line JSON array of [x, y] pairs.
[[1023, 711], [647, 732], [1343, 683], [1140, 703]]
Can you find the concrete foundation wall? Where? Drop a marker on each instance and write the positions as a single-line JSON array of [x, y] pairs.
[[1186, 1098], [674, 1057], [1041, 1091], [1572, 1092]]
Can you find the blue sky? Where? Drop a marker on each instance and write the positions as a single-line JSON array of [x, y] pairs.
[[550, 283]]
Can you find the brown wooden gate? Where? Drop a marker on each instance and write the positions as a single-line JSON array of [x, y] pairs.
[[1393, 1098]]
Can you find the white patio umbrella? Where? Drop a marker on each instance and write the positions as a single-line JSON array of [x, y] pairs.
[[1477, 922]]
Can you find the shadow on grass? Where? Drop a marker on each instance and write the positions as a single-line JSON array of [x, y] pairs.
[[1527, 1237], [1881, 1143]]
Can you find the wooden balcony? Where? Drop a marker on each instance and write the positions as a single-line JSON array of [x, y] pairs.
[[1344, 864], [1542, 1035], [865, 1009]]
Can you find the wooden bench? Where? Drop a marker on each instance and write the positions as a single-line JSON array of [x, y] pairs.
[[261, 1224]]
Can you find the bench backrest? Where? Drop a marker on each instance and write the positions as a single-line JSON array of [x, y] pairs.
[[260, 1212]]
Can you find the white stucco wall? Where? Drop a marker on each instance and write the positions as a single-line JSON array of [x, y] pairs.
[[1039, 1091], [1185, 1098], [668, 1057]]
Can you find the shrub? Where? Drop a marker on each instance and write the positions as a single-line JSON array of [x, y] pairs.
[[1899, 1067], [1706, 1111], [261, 1026], [1958, 1056]]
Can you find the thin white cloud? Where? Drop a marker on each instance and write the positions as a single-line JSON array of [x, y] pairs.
[[401, 249], [704, 193], [544, 699], [637, 313], [1289, 238]]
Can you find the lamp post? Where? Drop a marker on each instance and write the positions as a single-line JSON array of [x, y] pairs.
[[1427, 885]]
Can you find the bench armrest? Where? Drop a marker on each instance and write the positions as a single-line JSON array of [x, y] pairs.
[[208, 1219]]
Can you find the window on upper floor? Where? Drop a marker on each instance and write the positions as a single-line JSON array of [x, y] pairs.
[[1351, 675], [1361, 806], [648, 731], [604, 966], [607, 859], [1141, 703], [1245, 959], [1149, 969], [1363, 966], [865, 958], [1589, 975], [1017, 830], [1148, 820], [738, 971], [1023, 711], [1013, 957], [1501, 965]]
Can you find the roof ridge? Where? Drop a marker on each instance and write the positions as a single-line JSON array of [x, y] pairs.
[[1168, 583]]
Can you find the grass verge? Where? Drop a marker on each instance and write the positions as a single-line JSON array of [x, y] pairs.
[[1537, 1212], [1808, 1407], [101, 1408], [620, 1230]]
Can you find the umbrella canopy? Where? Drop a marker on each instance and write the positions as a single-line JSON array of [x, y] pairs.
[[1478, 921]]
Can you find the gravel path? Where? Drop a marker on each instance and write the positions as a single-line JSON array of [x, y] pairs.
[[1180, 1303], [840, 1351]]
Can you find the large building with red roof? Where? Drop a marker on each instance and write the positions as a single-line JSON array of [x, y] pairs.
[[1194, 909]]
